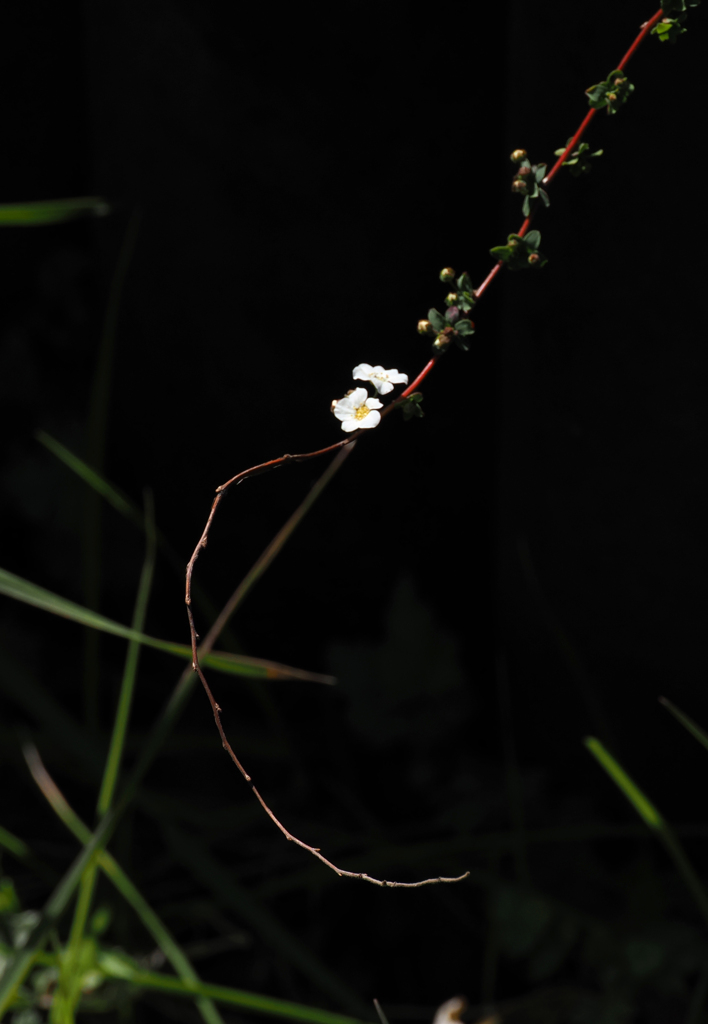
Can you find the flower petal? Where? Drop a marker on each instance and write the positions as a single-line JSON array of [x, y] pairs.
[[358, 397], [352, 424], [362, 371], [397, 378], [372, 420], [373, 403]]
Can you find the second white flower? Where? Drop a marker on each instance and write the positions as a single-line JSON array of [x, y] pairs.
[[383, 380]]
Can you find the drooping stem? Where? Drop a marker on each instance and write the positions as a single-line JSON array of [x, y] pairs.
[[282, 460]]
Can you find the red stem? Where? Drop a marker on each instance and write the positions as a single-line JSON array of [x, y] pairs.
[[488, 280], [570, 147], [646, 28], [479, 292], [421, 376]]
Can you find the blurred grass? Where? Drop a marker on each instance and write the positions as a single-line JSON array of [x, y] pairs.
[[96, 430], [653, 819], [231, 664], [692, 727], [68, 993], [60, 725], [51, 211], [118, 968], [125, 887]]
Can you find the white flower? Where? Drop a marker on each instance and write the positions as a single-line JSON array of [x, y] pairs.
[[357, 410], [383, 380]]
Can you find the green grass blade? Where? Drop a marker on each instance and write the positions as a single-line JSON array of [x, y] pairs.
[[688, 723], [110, 867], [118, 967], [242, 664], [642, 805], [125, 698], [14, 845], [51, 211], [68, 992], [653, 819], [231, 664], [90, 476]]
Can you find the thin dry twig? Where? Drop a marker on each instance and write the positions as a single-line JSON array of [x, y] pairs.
[[346, 447], [342, 447]]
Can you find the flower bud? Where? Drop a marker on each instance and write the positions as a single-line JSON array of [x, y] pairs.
[[333, 404], [517, 156], [425, 327], [447, 274], [518, 185], [451, 298], [453, 314], [442, 341], [534, 258]]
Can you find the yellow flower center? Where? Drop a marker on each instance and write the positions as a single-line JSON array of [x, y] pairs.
[[362, 412]]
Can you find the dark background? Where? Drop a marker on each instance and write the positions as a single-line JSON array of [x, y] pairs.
[[522, 567]]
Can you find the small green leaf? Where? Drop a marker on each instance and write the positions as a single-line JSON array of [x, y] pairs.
[[533, 239], [411, 406], [464, 327], [437, 320], [669, 29]]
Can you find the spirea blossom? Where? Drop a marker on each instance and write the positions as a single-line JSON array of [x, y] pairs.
[[356, 410], [383, 380]]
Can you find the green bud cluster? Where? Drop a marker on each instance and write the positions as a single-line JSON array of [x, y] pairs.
[[520, 253], [578, 162], [527, 181], [611, 93], [451, 326], [669, 29]]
